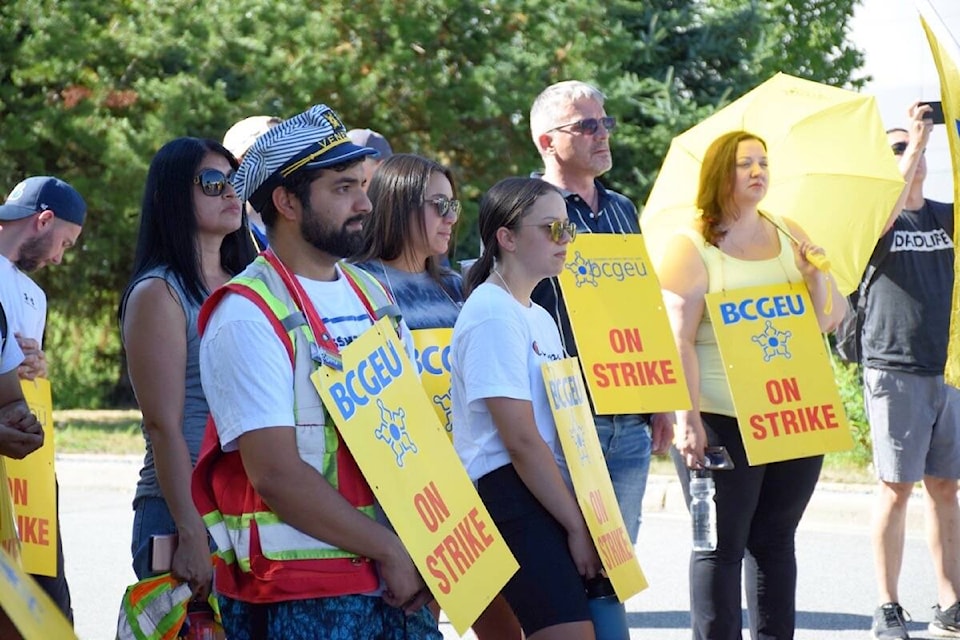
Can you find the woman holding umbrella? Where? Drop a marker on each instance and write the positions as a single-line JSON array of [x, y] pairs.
[[734, 245]]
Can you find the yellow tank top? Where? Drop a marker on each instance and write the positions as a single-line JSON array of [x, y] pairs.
[[725, 273]]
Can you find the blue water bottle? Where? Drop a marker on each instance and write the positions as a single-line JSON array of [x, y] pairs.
[[608, 613]]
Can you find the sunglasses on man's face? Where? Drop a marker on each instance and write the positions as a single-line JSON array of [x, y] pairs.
[[212, 181], [589, 126], [557, 228], [899, 147], [446, 207]]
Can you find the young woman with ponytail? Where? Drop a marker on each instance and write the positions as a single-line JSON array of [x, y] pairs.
[[503, 429]]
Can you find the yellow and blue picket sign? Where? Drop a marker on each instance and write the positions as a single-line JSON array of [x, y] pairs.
[[591, 481], [392, 430], [29, 608], [784, 392], [433, 364], [33, 488], [624, 341]]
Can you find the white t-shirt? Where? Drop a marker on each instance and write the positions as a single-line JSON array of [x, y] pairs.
[[497, 350], [10, 356], [24, 301], [245, 369]]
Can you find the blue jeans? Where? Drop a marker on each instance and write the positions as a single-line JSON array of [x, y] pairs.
[[150, 517], [626, 445]]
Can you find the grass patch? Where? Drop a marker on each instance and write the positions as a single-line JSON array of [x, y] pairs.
[[118, 433], [86, 431]]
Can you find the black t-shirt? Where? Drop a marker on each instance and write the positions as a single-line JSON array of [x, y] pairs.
[[908, 305]]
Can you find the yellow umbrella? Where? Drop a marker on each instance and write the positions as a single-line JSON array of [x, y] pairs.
[[831, 169]]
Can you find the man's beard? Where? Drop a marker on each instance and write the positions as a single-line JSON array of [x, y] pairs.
[[32, 251], [335, 242]]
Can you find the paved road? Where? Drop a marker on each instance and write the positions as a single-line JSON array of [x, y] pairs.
[[836, 593]]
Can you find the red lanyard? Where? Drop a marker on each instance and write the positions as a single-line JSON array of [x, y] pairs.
[[329, 352]]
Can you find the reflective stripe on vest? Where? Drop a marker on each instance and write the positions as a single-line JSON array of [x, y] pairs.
[[318, 442], [153, 609]]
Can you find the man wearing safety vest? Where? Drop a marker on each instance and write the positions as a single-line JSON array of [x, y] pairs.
[[301, 551]]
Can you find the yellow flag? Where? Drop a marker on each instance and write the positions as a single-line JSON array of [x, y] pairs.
[[33, 488], [946, 54], [392, 431], [779, 373]]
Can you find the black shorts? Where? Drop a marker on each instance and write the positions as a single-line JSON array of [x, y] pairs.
[[547, 590]]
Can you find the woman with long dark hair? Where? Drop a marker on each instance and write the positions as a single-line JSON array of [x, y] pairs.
[[192, 238]]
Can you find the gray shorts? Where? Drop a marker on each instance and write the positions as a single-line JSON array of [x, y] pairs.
[[915, 423]]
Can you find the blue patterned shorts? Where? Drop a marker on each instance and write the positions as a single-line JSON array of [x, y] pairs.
[[339, 618]]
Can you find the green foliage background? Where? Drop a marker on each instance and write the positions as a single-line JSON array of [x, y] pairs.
[[90, 89]]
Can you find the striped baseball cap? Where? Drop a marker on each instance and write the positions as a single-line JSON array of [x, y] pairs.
[[313, 139]]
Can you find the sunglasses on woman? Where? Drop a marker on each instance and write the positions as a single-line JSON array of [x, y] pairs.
[[557, 228], [446, 207], [213, 181], [589, 126]]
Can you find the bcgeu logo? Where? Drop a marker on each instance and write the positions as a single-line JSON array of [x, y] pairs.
[[773, 341], [589, 271]]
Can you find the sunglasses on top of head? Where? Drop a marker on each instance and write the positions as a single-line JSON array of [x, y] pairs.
[[213, 181], [589, 126], [446, 207]]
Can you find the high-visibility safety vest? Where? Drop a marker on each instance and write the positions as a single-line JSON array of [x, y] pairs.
[[156, 608], [259, 557]]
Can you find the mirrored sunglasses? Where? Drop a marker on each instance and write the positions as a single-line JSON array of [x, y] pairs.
[[590, 126], [446, 207], [212, 181], [557, 228]]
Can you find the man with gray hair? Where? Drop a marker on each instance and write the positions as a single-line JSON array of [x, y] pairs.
[[571, 131]]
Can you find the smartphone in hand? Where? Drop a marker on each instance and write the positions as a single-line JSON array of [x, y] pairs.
[[936, 112], [162, 547], [717, 458]]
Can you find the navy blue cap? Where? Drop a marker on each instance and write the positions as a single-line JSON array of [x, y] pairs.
[[40, 193]]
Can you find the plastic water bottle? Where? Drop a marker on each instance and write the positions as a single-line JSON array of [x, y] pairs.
[[608, 613], [703, 510]]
